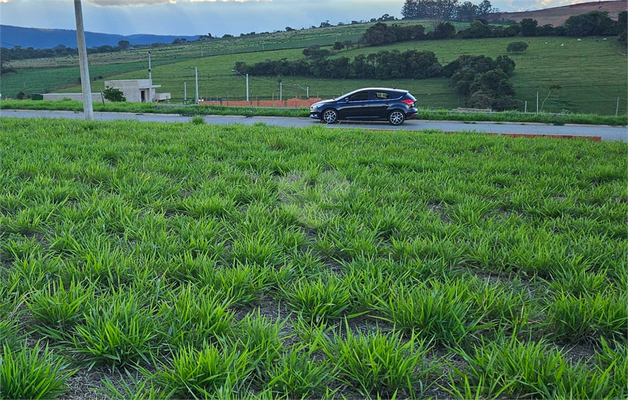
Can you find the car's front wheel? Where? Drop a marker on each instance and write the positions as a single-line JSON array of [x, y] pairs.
[[330, 116], [396, 117]]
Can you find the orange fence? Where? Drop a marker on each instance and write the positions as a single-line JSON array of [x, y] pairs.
[[305, 103]]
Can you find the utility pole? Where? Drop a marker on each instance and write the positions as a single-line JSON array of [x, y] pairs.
[[196, 98], [247, 87], [88, 108], [150, 81], [247, 82]]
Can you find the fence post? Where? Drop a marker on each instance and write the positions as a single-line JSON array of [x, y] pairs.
[[525, 109], [537, 102], [617, 109]]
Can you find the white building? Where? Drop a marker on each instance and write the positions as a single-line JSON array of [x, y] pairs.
[[134, 90], [138, 90]]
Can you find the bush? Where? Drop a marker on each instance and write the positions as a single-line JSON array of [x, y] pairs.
[[113, 94], [197, 121], [517, 47]]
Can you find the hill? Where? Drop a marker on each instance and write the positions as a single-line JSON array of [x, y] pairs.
[[48, 38], [556, 16]]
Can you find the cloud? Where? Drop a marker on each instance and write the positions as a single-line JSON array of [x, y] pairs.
[[121, 3]]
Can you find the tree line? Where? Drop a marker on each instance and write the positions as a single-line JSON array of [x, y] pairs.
[[482, 80], [594, 23], [20, 53], [448, 10]]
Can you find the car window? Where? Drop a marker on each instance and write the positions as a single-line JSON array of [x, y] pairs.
[[382, 96], [359, 96]]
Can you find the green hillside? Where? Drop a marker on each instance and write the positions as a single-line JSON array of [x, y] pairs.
[[591, 73]]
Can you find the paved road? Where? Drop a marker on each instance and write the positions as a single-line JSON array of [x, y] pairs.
[[602, 132]]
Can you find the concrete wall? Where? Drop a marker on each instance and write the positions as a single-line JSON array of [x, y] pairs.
[[130, 88], [72, 96], [161, 96]]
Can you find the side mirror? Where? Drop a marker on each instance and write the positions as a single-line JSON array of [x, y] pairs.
[[346, 99]]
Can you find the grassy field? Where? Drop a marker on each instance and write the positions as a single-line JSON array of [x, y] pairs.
[[541, 66], [195, 261], [591, 73]]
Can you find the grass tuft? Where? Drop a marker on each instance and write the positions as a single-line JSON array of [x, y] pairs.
[[32, 373]]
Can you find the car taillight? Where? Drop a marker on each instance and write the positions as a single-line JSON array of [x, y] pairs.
[[408, 102]]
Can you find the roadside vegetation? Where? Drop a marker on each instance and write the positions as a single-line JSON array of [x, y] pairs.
[[251, 111], [147, 260]]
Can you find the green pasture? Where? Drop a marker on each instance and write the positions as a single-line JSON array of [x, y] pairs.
[[591, 73], [147, 260]]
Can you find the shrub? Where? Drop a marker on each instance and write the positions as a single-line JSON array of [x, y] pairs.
[[113, 94], [517, 47], [197, 120]]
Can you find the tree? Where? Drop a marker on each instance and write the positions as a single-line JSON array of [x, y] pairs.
[[429, 9], [315, 52], [444, 30], [528, 26], [113, 94], [485, 8], [4, 57], [338, 46], [378, 34], [621, 21], [124, 44], [551, 88], [410, 10], [593, 23], [467, 12], [59, 49], [476, 30], [516, 47]]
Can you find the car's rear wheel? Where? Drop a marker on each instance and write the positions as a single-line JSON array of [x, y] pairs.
[[396, 117], [330, 116]]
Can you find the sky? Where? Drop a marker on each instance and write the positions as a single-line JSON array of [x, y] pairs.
[[218, 17]]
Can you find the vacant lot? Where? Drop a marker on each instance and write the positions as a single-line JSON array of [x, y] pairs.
[[187, 260]]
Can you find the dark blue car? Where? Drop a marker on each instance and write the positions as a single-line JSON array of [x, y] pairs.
[[375, 104]]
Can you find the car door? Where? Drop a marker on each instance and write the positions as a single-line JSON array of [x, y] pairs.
[[380, 104], [355, 106]]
